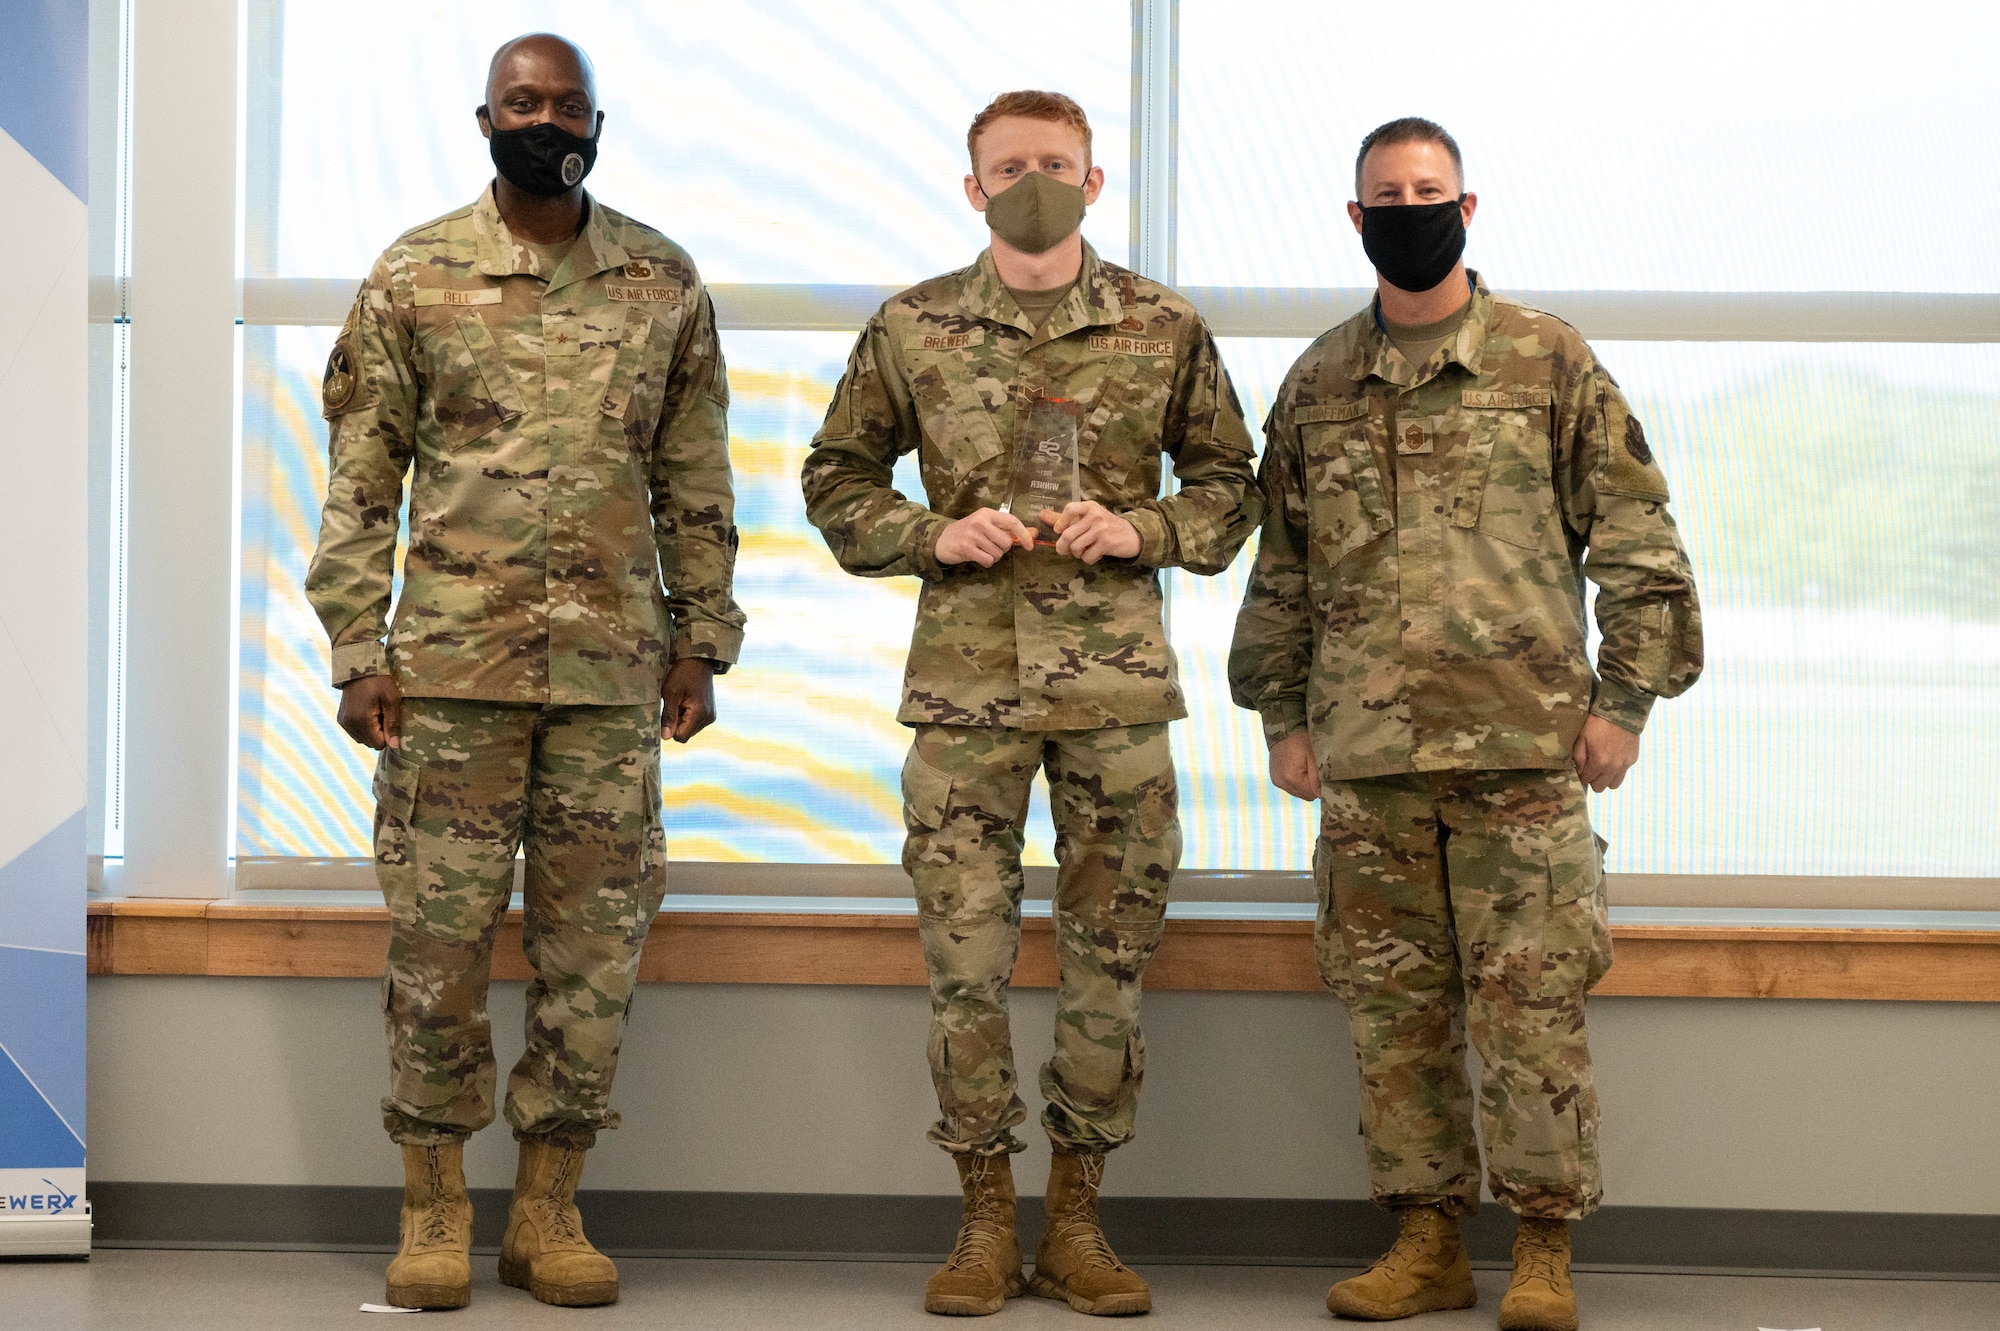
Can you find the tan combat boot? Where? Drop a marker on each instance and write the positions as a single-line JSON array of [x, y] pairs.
[[432, 1267], [545, 1251], [1540, 1296], [984, 1269], [1074, 1262], [1426, 1271]]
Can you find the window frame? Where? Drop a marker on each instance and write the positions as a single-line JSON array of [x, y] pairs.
[[240, 34]]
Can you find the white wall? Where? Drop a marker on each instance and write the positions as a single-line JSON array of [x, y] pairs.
[[1736, 1103]]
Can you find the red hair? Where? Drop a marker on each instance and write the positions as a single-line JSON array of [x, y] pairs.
[[1034, 105]]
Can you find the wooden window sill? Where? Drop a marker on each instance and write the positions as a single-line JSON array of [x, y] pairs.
[[155, 936]]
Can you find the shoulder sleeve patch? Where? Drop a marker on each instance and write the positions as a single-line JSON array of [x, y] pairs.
[[336, 392], [1635, 442], [1331, 411], [340, 388], [345, 385], [1629, 465]]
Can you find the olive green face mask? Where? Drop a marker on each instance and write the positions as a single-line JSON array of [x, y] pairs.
[[1036, 213]]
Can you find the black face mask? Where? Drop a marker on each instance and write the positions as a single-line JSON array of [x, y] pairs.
[[1414, 246], [544, 160]]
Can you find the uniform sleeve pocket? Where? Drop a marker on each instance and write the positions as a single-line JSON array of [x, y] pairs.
[[926, 794]]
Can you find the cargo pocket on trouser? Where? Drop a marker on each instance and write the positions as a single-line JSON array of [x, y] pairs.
[[926, 794], [1116, 939], [1116, 803], [1576, 935], [926, 804], [396, 870], [653, 858], [1336, 968], [1538, 1100], [970, 934], [1152, 853]]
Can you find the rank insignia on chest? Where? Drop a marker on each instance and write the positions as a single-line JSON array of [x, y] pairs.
[[1414, 437], [639, 270]]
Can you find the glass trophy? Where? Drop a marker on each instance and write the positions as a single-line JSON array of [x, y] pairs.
[[1045, 474]]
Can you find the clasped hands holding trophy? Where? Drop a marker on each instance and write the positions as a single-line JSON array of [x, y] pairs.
[[1047, 486]]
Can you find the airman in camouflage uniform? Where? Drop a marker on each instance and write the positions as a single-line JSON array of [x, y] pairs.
[[560, 409], [1416, 609], [1041, 661]]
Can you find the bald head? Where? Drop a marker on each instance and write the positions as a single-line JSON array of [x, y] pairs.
[[541, 78], [540, 55]]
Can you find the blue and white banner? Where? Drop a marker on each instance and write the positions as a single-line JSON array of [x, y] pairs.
[[44, 54]]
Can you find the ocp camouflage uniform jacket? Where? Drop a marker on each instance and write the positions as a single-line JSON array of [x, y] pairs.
[[1417, 598], [570, 446], [1039, 641]]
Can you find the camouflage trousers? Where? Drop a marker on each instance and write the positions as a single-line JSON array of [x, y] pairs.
[[1451, 901], [1118, 841], [579, 789]]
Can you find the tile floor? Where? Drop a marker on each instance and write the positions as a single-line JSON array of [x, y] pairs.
[[223, 1291]]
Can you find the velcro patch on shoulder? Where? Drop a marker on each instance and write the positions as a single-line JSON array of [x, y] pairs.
[[1514, 401], [1630, 467], [339, 390], [1132, 346], [458, 296], [660, 295], [1332, 411], [944, 341]]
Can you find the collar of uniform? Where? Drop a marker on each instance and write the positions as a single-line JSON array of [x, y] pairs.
[[604, 249], [1377, 357], [1093, 301], [501, 256]]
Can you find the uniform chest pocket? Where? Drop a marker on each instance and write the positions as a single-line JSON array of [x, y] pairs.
[[958, 410], [635, 379], [1120, 436], [1507, 485], [472, 390], [1345, 506]]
